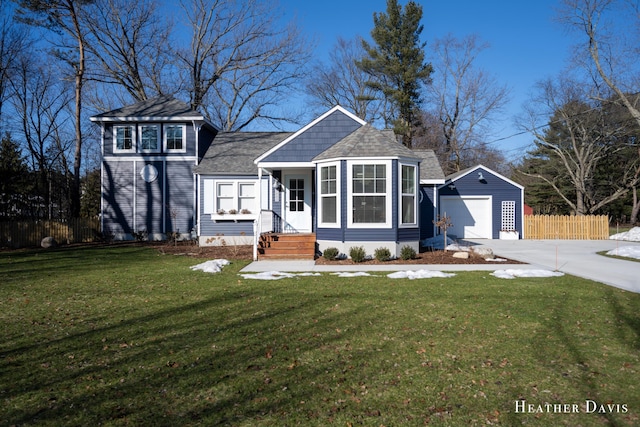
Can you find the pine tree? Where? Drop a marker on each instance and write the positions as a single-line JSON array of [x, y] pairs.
[[396, 63], [14, 189]]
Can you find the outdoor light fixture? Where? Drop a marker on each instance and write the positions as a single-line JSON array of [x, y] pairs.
[[480, 176], [451, 186]]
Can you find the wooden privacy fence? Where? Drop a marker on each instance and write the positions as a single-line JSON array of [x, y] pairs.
[[20, 234], [566, 227]]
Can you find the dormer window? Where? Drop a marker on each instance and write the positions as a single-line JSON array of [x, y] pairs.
[[124, 137], [174, 138]]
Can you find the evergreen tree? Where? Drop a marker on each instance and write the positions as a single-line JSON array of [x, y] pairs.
[[14, 189], [396, 63]]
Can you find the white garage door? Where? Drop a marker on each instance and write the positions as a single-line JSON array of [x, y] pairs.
[[471, 216]]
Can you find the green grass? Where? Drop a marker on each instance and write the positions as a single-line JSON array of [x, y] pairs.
[[122, 335]]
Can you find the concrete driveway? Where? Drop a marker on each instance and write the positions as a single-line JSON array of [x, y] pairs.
[[576, 257]]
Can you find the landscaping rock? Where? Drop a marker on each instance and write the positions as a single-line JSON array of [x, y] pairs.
[[483, 252], [48, 242], [461, 255]]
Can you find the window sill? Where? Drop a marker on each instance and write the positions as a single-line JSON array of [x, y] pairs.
[[233, 217]]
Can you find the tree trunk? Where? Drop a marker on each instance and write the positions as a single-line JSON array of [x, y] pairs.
[[635, 210]]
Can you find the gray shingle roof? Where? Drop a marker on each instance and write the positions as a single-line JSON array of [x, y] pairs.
[[366, 141], [430, 166], [165, 106], [233, 153]]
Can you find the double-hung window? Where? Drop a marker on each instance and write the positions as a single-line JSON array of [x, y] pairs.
[[408, 195], [235, 197], [124, 138], [150, 138], [174, 138], [329, 196], [370, 203]]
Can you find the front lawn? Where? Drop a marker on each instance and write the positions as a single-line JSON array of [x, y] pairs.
[[123, 335]]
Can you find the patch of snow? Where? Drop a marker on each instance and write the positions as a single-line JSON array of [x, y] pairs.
[[513, 273], [626, 251], [496, 259], [419, 274], [213, 266], [632, 235], [268, 275], [351, 274]]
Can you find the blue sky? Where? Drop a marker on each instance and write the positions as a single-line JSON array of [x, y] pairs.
[[526, 44]]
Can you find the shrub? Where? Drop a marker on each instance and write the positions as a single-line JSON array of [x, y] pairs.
[[407, 252], [357, 253], [330, 253], [382, 254]]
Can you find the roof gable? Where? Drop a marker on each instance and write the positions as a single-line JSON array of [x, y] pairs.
[[366, 141], [460, 174], [314, 138]]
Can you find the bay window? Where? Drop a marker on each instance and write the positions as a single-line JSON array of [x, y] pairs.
[[408, 195], [329, 196], [370, 204]]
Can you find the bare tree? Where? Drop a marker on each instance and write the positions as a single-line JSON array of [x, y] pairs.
[[610, 34], [63, 17], [40, 103], [240, 62], [13, 40], [341, 82], [466, 100], [128, 43], [580, 136]]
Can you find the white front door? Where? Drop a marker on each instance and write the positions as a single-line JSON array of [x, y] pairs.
[[297, 202]]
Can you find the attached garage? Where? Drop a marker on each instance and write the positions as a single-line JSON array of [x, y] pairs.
[[481, 204], [471, 216]]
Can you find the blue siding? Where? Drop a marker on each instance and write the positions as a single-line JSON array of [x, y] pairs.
[[148, 200], [426, 211], [494, 186], [180, 191], [316, 139], [117, 197]]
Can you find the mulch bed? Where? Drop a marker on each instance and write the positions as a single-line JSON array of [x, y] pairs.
[[246, 253]]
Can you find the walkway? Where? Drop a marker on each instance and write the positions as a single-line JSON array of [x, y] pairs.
[[576, 257]]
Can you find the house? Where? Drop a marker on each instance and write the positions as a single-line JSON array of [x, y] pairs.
[[149, 150], [336, 182], [482, 204]]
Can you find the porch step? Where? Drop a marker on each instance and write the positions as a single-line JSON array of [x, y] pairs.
[[287, 246]]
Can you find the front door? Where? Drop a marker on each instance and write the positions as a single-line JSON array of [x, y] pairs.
[[297, 203]]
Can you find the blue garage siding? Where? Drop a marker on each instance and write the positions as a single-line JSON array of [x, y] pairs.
[[494, 186]]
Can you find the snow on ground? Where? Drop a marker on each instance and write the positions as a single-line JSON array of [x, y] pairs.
[[626, 251], [513, 273], [631, 235], [276, 275], [418, 274], [351, 274], [213, 266]]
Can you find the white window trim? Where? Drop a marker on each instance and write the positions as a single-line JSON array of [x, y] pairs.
[[133, 139], [236, 199], [338, 222], [139, 132], [184, 138], [415, 196], [388, 194]]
